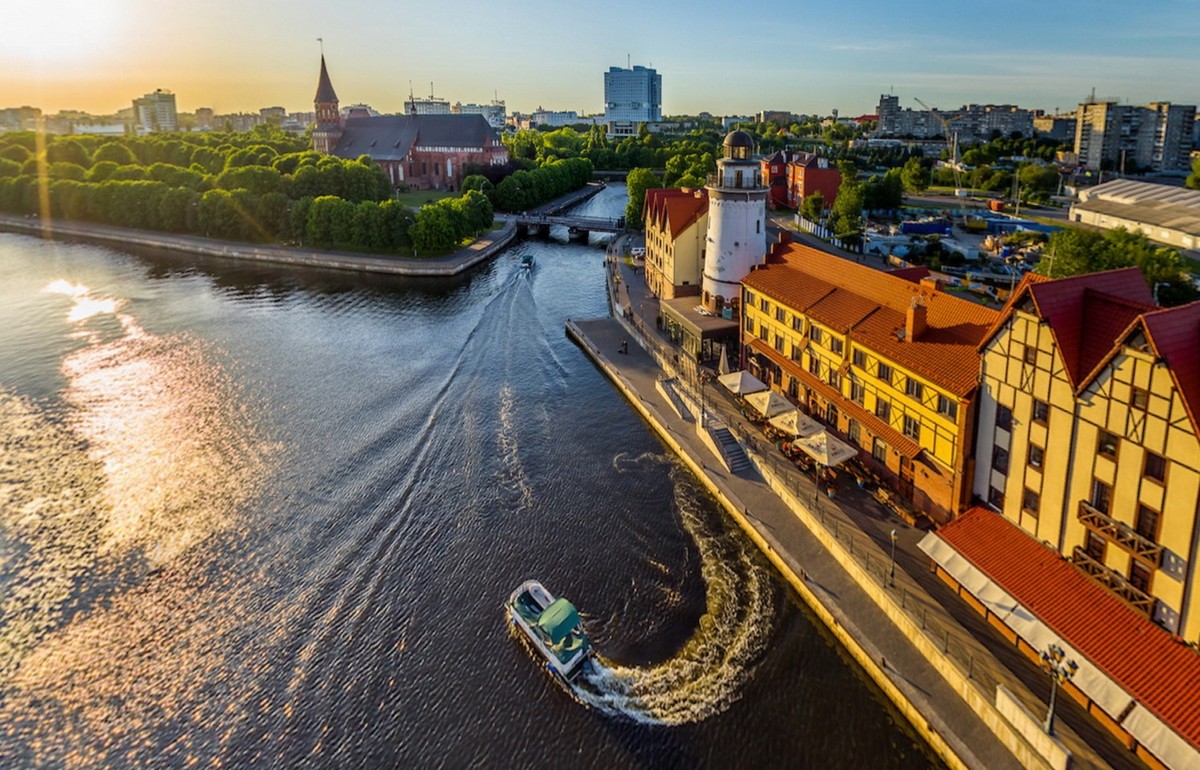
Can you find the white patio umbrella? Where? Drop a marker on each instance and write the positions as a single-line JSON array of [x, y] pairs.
[[825, 449], [795, 423], [741, 383], [723, 367], [768, 403]]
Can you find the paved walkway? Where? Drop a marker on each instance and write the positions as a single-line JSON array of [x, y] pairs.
[[806, 531]]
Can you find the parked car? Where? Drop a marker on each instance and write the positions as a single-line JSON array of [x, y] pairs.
[[637, 252]]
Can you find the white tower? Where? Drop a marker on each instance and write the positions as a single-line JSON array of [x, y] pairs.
[[737, 228]]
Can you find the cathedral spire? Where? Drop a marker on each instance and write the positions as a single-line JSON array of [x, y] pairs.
[[325, 93], [328, 130]]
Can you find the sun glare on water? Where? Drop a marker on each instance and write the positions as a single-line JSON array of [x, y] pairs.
[[57, 30]]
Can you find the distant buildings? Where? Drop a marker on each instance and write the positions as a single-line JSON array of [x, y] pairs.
[[495, 113], [421, 151], [972, 122], [19, 118], [792, 176], [430, 106], [1059, 128], [1164, 214], [632, 97], [155, 113], [1123, 137]]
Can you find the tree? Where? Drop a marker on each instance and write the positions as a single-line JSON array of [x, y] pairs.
[[1074, 252], [433, 230], [916, 175], [813, 207], [1193, 181], [637, 182], [845, 217]]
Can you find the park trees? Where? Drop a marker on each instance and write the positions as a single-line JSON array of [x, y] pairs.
[[1073, 251], [812, 207], [637, 183], [916, 175]]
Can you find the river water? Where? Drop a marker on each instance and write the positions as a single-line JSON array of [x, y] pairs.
[[266, 517]]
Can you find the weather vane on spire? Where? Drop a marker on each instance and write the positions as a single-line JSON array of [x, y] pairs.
[[321, 40]]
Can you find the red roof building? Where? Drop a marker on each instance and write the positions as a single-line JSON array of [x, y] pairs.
[[792, 176]]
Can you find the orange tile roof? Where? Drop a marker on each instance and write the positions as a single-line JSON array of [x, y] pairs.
[[871, 305], [1159, 672], [674, 210]]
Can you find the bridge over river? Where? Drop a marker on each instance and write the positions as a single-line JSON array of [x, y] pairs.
[[539, 224]]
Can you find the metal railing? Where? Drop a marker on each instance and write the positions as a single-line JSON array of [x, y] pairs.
[[1114, 581], [1120, 533]]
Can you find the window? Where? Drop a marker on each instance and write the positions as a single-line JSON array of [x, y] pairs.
[[835, 344], [1096, 546], [879, 451], [797, 323], [995, 497], [1107, 445], [1147, 523], [854, 432], [780, 314], [793, 387], [815, 333], [779, 342], [947, 407], [797, 352], [750, 324], [1041, 411], [857, 393], [763, 304], [1037, 456], [883, 410], [835, 380], [749, 298], [912, 427], [1003, 417], [763, 334], [1139, 576], [885, 373], [814, 365], [1156, 467], [1000, 460], [914, 389], [1030, 354], [1140, 398], [860, 359], [831, 415], [1101, 496], [1030, 501]]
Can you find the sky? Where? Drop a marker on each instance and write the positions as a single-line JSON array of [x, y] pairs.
[[730, 57]]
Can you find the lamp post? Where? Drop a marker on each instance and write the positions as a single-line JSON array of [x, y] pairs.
[[1061, 669], [892, 564]]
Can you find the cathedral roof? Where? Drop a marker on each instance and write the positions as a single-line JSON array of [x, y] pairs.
[[390, 137], [325, 92]]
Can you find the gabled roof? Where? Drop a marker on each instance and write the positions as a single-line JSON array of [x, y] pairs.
[[324, 86], [1174, 334], [390, 137], [674, 210], [1103, 304], [871, 306], [1159, 672]]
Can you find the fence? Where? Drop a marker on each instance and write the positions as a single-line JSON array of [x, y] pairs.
[[962, 662], [825, 234]]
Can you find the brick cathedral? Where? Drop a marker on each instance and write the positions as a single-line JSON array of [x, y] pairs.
[[422, 152]]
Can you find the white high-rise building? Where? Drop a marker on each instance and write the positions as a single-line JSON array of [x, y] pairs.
[[631, 97], [155, 112], [737, 227]]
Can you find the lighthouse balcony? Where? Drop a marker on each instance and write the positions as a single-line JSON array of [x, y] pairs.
[[736, 179]]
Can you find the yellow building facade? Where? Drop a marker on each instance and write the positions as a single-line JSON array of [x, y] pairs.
[[1087, 435], [676, 223], [887, 361]]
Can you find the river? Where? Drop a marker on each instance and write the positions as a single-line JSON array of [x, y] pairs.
[[266, 517]]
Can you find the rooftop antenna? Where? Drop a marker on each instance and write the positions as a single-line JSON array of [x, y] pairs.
[[627, 62], [431, 90]]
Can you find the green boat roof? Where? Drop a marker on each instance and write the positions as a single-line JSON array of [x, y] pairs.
[[559, 620]]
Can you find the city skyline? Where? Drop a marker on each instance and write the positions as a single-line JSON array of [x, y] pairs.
[[97, 56]]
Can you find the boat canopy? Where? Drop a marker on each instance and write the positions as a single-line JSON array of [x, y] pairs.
[[559, 620]]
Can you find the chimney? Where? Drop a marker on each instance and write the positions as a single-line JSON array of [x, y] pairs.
[[914, 319], [931, 284]]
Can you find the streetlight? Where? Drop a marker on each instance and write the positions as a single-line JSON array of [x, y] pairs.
[[1061, 669], [892, 565]]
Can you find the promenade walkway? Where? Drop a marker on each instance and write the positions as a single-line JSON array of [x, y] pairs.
[[923, 645]]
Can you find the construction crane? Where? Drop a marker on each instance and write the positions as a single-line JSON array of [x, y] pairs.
[[952, 137]]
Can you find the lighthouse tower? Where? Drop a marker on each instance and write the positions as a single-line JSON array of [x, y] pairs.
[[328, 130], [737, 228]]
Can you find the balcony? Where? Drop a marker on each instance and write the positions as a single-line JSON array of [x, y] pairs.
[[1113, 580], [1122, 534]]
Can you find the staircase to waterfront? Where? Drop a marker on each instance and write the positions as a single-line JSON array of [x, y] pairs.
[[731, 451]]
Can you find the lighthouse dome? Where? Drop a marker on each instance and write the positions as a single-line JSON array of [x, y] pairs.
[[739, 145]]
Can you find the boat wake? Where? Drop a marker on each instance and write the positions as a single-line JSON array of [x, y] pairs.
[[705, 676]]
